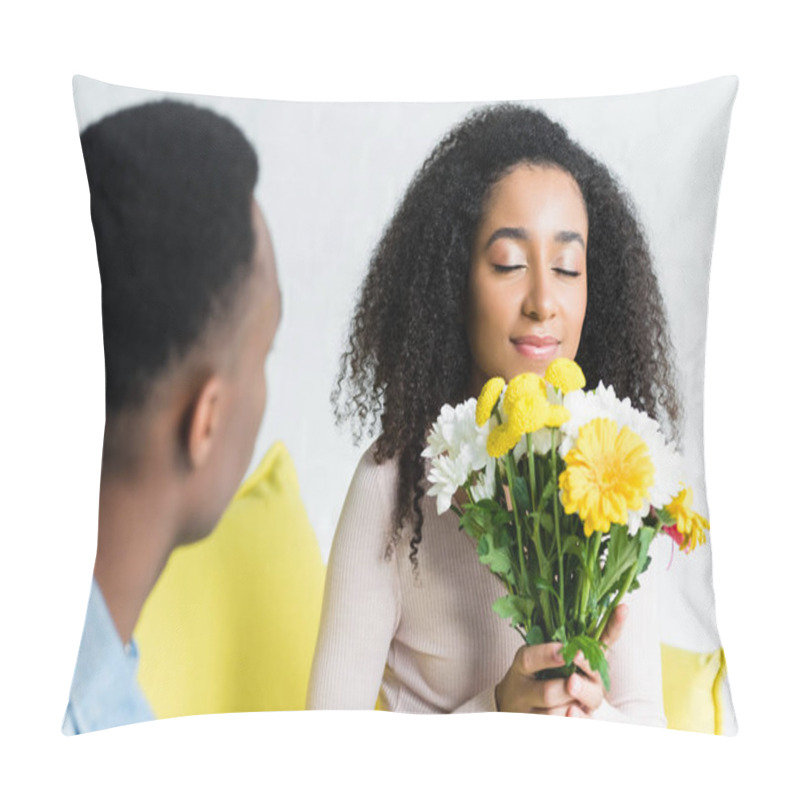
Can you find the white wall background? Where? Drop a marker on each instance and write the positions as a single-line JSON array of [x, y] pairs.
[[52, 401]]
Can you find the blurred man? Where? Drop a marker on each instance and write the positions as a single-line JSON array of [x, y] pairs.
[[191, 305]]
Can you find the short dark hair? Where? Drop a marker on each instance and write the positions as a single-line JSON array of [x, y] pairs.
[[408, 352], [171, 187]]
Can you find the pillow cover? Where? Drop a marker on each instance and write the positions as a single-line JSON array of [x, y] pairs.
[[229, 624], [693, 689]]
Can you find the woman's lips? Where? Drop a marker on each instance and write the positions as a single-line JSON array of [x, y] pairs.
[[536, 347]]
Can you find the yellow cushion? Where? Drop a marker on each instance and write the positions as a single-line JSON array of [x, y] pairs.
[[693, 689], [232, 622]]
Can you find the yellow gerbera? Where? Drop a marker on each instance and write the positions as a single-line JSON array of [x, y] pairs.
[[565, 374], [690, 524], [502, 439], [490, 394], [609, 472]]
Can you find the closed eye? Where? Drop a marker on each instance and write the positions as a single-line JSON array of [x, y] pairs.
[[569, 272], [503, 268]]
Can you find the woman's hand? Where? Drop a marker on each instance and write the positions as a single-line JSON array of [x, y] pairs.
[[578, 696], [587, 688], [521, 691]]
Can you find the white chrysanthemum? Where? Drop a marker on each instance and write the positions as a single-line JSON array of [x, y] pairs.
[[446, 475], [456, 434], [484, 486], [586, 406], [456, 448]]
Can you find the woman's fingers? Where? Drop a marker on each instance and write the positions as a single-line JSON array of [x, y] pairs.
[[582, 663], [559, 711], [615, 624], [586, 690], [550, 694], [521, 691], [539, 697], [537, 657], [574, 710]]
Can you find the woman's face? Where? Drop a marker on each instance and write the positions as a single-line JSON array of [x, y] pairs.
[[526, 299]]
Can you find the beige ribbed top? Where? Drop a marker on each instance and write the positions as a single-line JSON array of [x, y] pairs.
[[432, 643]]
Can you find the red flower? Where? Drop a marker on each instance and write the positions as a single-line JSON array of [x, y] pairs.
[[672, 532]]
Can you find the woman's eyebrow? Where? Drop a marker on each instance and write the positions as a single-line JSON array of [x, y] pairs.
[[521, 234], [508, 233], [565, 237]]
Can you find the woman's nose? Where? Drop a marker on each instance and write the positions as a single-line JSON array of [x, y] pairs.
[[539, 302]]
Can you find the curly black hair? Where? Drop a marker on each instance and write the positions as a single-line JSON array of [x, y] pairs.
[[408, 353]]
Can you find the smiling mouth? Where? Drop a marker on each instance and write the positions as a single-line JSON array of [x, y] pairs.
[[536, 348]]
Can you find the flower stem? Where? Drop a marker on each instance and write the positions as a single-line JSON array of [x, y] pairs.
[[633, 572], [512, 474], [544, 564], [595, 548], [601, 625], [531, 469], [554, 462]]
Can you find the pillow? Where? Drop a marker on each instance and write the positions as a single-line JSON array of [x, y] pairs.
[[693, 689], [232, 622]]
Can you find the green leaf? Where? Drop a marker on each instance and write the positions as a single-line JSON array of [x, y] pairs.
[[560, 635], [546, 521], [572, 546], [544, 586], [477, 518], [535, 635], [645, 537], [498, 559], [664, 518], [621, 556], [546, 495], [517, 608], [646, 565], [484, 516], [471, 524], [593, 651]]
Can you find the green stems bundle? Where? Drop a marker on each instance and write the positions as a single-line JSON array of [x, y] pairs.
[[562, 585]]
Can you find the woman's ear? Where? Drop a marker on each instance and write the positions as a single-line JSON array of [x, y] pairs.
[[203, 422]]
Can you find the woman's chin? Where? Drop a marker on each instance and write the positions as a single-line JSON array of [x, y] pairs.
[[529, 365]]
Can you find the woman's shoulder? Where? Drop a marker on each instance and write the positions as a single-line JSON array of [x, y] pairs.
[[367, 514], [374, 471]]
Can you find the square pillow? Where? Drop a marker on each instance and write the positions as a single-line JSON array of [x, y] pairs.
[[213, 634]]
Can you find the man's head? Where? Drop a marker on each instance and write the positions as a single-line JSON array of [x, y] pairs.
[[190, 301]]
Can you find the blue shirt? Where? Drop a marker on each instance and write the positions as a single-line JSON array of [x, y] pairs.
[[104, 690]]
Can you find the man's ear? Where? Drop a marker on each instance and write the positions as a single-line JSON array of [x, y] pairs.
[[203, 422]]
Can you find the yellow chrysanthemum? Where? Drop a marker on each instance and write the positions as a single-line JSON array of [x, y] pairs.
[[528, 415], [690, 524], [490, 394], [502, 439], [557, 416], [565, 374], [609, 472], [524, 385]]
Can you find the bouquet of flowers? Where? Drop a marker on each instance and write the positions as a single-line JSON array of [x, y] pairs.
[[564, 491]]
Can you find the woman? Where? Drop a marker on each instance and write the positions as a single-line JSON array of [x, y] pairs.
[[512, 247]]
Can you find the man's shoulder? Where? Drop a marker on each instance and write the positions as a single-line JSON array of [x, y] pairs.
[[104, 692]]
